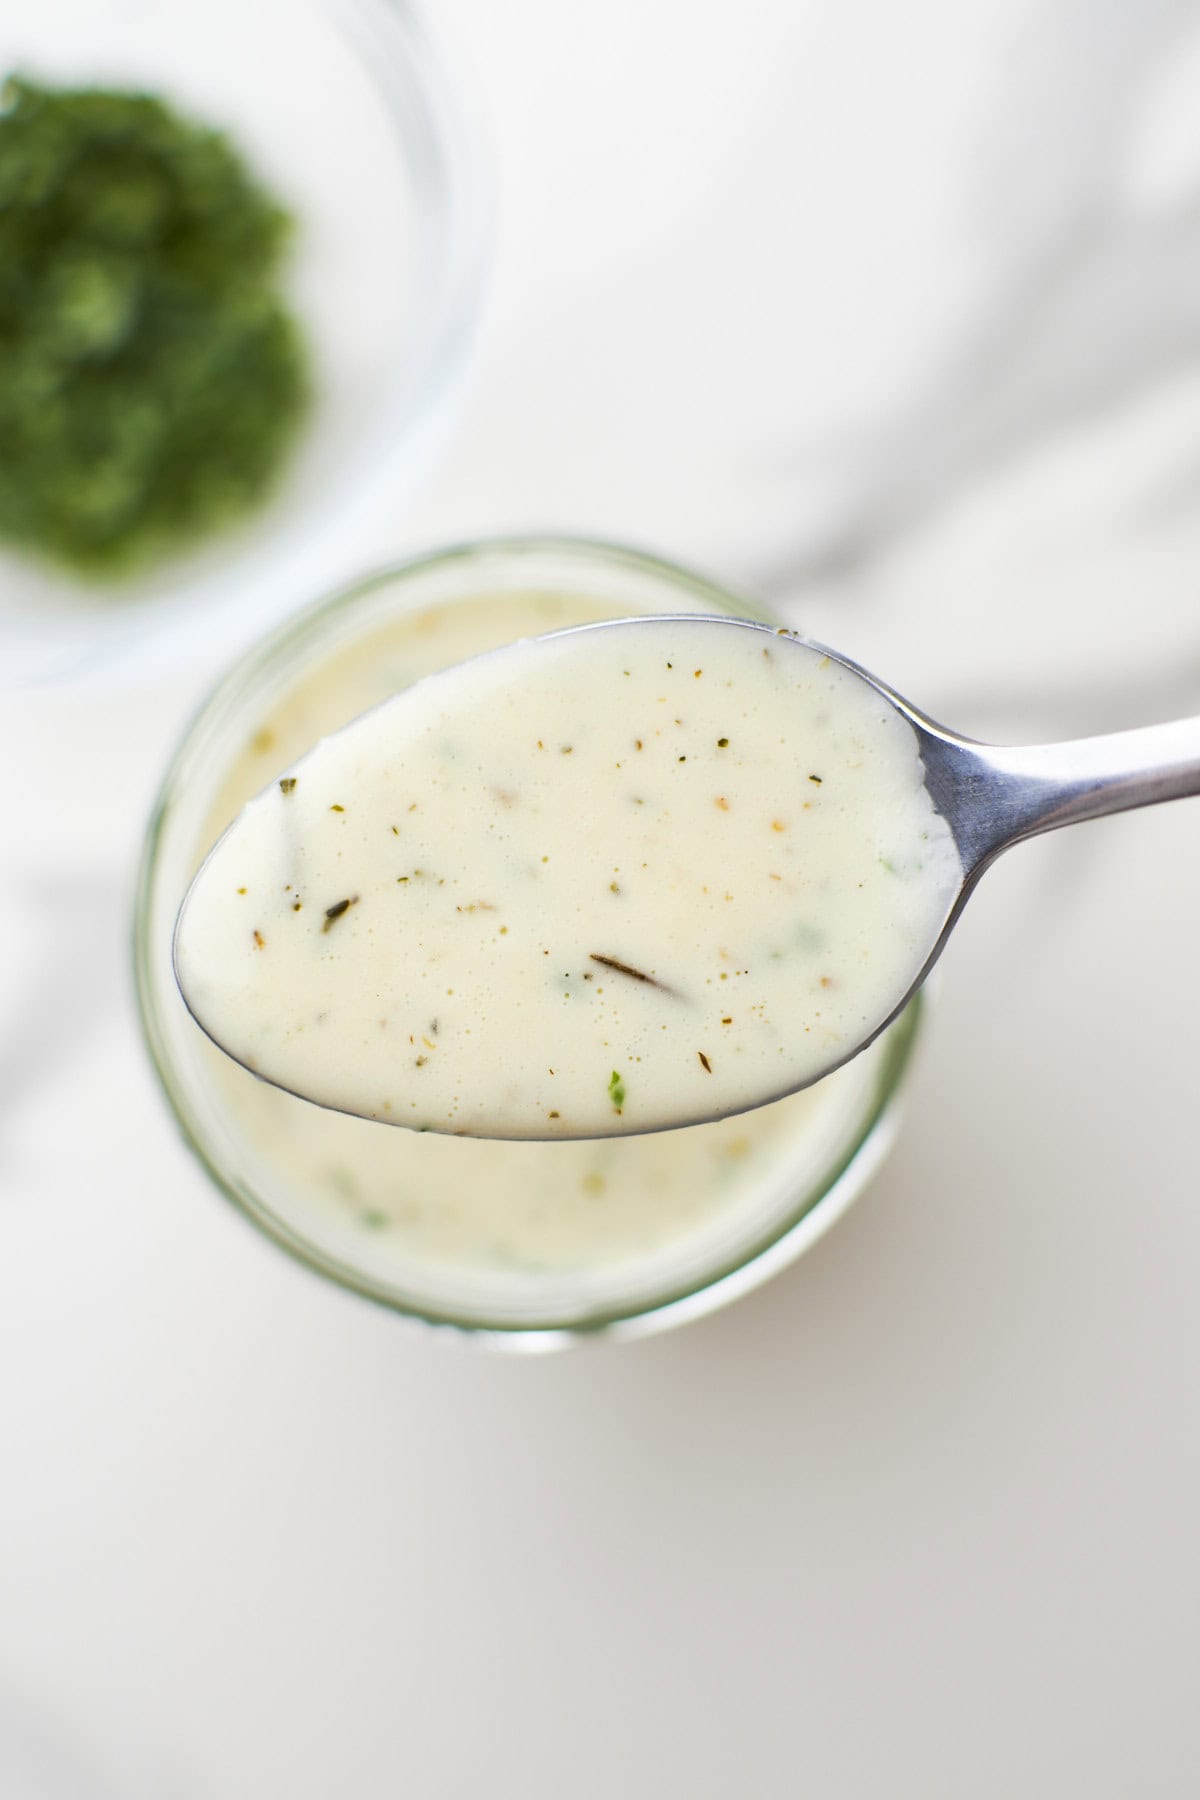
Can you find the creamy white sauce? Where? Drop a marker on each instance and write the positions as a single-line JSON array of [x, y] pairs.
[[600, 884], [611, 1215]]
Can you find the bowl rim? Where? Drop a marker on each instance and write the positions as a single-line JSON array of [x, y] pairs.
[[755, 1263]]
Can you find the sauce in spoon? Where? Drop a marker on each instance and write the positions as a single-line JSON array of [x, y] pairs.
[[623, 878]]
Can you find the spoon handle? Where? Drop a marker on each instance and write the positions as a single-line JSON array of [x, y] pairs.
[[995, 795]]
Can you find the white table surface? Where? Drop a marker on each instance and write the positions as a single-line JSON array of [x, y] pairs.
[[892, 315]]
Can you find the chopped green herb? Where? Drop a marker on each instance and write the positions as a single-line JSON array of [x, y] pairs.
[[151, 381], [616, 1090], [288, 784]]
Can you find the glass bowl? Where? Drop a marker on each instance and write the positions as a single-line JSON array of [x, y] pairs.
[[345, 111], [531, 1245]]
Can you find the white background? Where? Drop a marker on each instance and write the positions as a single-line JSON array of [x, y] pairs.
[[892, 316]]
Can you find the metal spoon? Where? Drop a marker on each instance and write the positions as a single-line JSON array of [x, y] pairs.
[[989, 796], [993, 796]]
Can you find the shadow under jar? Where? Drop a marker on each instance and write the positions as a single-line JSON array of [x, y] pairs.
[[526, 1245]]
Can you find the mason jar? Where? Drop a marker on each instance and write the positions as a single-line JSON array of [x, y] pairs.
[[523, 1245]]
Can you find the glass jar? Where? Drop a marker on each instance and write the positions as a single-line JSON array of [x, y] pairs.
[[527, 1245]]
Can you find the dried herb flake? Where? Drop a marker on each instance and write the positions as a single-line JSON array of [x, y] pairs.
[[334, 912], [610, 962]]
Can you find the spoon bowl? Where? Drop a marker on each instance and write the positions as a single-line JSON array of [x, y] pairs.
[[629, 876]]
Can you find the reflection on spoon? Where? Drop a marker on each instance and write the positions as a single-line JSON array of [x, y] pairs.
[[629, 876]]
